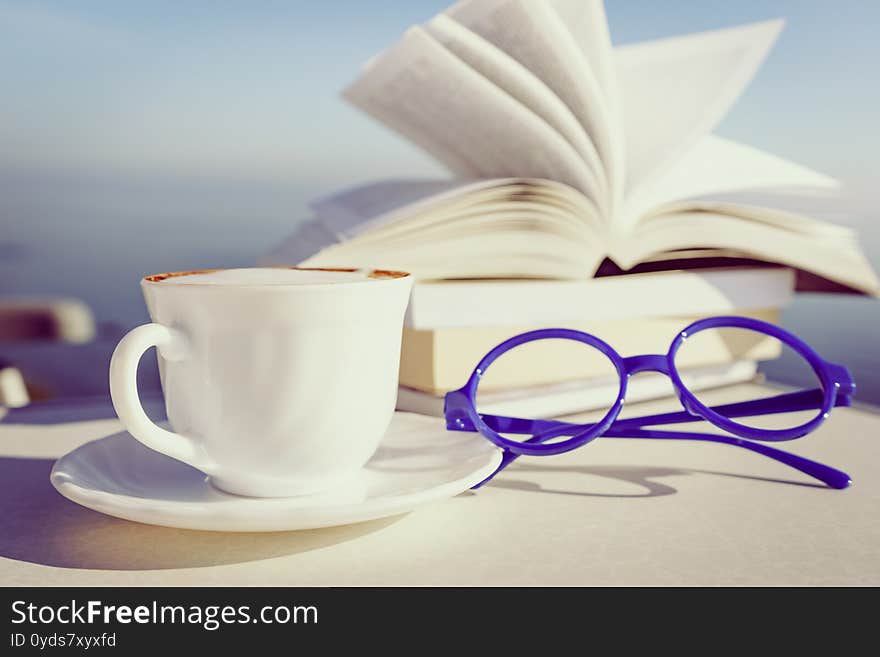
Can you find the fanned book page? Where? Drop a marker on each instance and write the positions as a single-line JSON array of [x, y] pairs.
[[440, 103], [715, 165], [523, 86], [676, 90], [535, 35], [567, 153]]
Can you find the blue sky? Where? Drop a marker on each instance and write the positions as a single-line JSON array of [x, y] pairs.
[[249, 90]]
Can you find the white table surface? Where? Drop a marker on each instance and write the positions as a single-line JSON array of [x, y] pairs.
[[618, 512]]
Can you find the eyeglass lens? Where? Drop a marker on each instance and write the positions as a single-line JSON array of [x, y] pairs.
[[726, 345]]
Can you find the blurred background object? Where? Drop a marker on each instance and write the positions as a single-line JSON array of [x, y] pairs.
[[13, 391], [146, 137], [36, 324], [65, 320]]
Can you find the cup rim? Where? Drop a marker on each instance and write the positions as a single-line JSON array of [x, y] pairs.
[[373, 276]]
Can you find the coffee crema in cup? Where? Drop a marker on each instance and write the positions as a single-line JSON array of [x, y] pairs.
[[274, 276]]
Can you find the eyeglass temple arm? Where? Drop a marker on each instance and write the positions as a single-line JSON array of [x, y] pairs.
[[826, 474], [784, 403], [788, 402], [544, 430]]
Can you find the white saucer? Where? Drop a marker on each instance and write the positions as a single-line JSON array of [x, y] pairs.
[[418, 461]]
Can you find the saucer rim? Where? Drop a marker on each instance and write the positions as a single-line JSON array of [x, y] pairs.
[[188, 516]]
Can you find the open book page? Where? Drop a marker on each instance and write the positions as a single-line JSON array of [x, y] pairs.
[[763, 234], [360, 209], [675, 91], [486, 220], [492, 212], [423, 91], [534, 35], [512, 77], [509, 228], [789, 221], [588, 24], [516, 227], [517, 251], [496, 226], [717, 165], [369, 210]]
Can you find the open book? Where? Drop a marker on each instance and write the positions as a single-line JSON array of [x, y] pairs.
[[567, 152]]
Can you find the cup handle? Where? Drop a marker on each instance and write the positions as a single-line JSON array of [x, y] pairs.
[[124, 392]]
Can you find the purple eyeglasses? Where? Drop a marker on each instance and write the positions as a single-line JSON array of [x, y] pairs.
[[837, 389]]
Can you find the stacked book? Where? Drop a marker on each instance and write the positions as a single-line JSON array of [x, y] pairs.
[[587, 191], [635, 314]]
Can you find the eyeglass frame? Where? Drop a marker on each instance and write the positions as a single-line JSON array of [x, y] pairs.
[[838, 388]]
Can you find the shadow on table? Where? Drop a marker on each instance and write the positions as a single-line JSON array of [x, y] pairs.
[[642, 477], [38, 525]]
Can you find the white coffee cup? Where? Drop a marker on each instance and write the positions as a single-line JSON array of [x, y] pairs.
[[277, 381]]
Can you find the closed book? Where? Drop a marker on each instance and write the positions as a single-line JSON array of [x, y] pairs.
[[585, 395], [686, 292], [436, 361]]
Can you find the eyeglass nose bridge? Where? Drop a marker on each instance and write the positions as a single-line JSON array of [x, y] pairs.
[[646, 363], [658, 363]]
